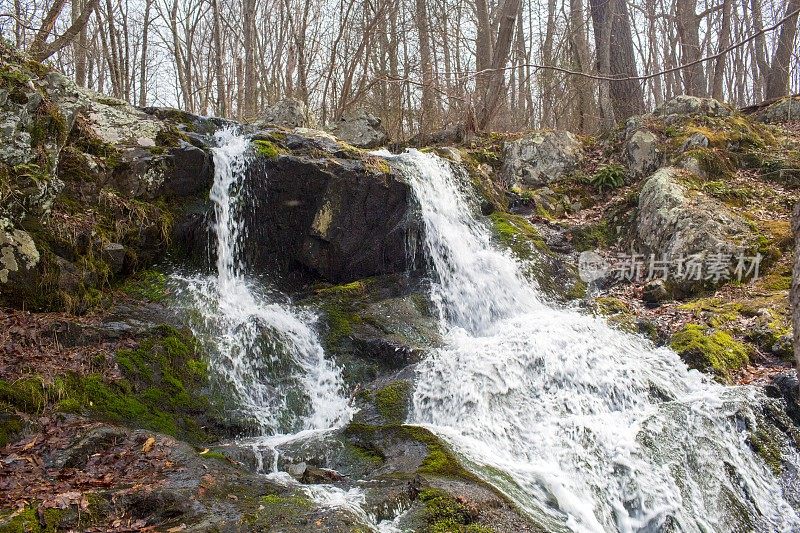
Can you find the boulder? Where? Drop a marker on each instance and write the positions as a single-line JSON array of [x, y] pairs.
[[326, 212], [66, 151], [541, 158], [360, 128], [676, 224], [642, 153], [784, 110], [683, 105], [288, 112]]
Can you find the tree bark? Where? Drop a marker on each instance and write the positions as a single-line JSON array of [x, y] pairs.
[[502, 48], [724, 41], [778, 78], [612, 30], [689, 34], [428, 107]]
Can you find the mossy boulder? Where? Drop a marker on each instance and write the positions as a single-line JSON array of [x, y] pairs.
[[555, 274], [710, 350], [675, 224]]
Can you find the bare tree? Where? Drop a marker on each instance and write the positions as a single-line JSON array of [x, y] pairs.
[[778, 78]]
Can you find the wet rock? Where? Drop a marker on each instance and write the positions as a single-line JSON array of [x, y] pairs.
[[641, 151], [541, 158], [784, 110], [288, 112], [360, 128], [335, 218], [674, 224], [785, 386], [313, 476]]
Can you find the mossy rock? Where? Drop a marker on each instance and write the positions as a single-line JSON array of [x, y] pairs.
[[392, 401], [711, 351], [444, 514], [163, 389]]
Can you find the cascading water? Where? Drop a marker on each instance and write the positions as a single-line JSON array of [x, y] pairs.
[[586, 427], [266, 354]]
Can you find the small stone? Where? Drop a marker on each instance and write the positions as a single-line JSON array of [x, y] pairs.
[[655, 292], [297, 470], [114, 254]]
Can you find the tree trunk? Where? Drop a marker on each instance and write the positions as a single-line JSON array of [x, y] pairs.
[[219, 71], [612, 32], [249, 38], [143, 64], [581, 61], [428, 107], [778, 78], [689, 33], [502, 47], [724, 42]]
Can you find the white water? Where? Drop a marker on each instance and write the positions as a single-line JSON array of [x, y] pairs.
[[266, 352], [586, 427]]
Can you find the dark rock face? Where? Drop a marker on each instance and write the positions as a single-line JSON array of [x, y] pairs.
[[331, 218]]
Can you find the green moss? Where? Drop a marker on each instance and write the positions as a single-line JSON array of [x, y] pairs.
[[266, 148], [376, 164], [609, 306], [714, 162], [28, 395], [517, 233], [592, 236], [713, 311], [710, 351], [10, 426], [392, 401], [440, 461], [161, 389], [20, 521], [445, 514], [768, 448], [276, 510], [148, 285], [214, 455], [48, 125], [170, 137]]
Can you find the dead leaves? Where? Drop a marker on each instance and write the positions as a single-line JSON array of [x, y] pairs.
[[148, 444]]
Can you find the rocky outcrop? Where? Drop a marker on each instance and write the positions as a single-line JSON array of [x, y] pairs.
[[91, 186], [784, 110], [683, 105], [678, 224], [541, 158], [360, 128], [327, 210], [642, 153], [289, 112]]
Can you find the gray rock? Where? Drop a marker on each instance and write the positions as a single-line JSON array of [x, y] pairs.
[[655, 292], [288, 112], [696, 140], [641, 151], [360, 128], [114, 254], [784, 110], [693, 105], [541, 158], [674, 224]]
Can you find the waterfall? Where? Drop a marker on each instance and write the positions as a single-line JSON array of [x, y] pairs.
[[586, 427], [265, 353]]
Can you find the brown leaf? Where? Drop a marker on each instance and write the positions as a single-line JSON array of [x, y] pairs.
[[148, 444]]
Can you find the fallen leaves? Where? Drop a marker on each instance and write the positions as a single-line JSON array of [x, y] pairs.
[[148, 444]]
